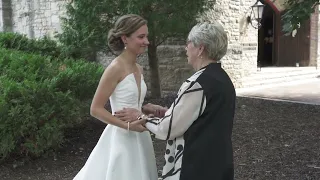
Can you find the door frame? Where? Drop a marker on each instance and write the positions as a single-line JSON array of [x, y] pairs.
[[277, 30]]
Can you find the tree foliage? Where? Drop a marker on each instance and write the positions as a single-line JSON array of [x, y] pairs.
[[297, 12], [85, 29]]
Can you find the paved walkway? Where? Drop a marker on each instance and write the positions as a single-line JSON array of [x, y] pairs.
[[307, 92]]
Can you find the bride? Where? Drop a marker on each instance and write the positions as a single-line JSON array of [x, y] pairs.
[[124, 150]]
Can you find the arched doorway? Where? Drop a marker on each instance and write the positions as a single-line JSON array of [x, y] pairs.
[[266, 40], [276, 49]]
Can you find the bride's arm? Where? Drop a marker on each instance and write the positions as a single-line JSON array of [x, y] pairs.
[[107, 85], [108, 82]]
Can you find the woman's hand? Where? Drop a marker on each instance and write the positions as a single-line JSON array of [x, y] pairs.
[[128, 114], [154, 109]]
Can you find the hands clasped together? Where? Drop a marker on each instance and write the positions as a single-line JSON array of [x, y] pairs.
[[136, 120]]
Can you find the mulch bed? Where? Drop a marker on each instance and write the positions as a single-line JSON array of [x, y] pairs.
[[272, 140]]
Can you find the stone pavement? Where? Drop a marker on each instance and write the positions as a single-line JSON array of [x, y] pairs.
[[307, 92]]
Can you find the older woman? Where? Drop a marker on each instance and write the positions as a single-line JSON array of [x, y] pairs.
[[198, 125]]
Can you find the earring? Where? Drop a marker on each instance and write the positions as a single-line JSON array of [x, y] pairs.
[[125, 45]]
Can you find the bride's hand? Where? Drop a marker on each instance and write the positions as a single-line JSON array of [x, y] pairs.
[[128, 114]]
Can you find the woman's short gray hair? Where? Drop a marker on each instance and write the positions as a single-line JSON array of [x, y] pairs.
[[212, 36]]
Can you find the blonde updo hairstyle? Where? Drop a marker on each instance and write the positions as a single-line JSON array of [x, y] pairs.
[[125, 25]]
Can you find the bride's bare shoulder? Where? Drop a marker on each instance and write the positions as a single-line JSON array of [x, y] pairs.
[[115, 64], [115, 69]]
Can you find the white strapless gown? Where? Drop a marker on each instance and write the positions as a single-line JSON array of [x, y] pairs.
[[121, 154]]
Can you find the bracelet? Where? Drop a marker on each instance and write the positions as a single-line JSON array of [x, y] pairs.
[[139, 117], [128, 128], [142, 116]]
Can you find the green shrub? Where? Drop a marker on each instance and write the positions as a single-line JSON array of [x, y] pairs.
[[76, 75], [43, 46], [40, 98]]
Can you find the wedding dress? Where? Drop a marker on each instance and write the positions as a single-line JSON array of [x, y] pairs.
[[121, 154]]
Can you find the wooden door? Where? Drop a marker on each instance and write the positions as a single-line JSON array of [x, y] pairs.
[[295, 49]]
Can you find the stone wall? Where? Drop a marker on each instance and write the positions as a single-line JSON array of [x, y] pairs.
[[248, 39], [241, 59], [226, 12], [6, 15], [173, 67], [314, 38], [1, 16], [37, 18]]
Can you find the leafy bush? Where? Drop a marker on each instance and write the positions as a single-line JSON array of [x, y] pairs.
[[40, 98], [44, 46]]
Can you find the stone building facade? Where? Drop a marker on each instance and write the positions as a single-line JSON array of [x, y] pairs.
[[37, 18]]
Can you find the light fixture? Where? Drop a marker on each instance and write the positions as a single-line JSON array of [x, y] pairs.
[[257, 11]]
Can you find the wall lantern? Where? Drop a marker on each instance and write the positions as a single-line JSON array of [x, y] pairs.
[[257, 11]]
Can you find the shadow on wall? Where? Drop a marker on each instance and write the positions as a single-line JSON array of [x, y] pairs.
[[243, 23]]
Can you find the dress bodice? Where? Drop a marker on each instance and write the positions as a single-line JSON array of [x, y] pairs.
[[126, 94]]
